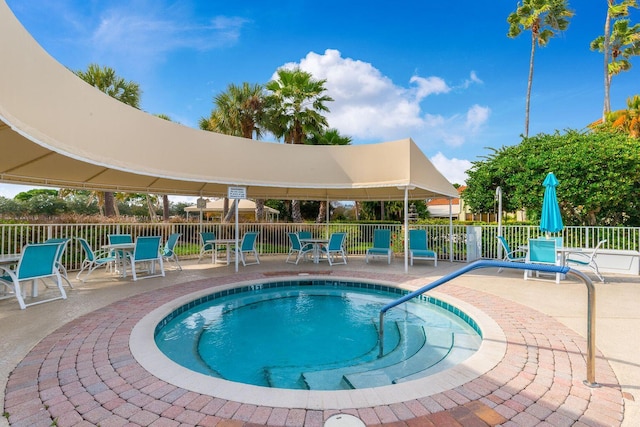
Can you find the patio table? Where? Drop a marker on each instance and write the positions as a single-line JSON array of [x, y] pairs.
[[227, 243], [316, 243], [120, 249]]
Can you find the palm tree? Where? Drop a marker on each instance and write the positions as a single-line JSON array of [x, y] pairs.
[[294, 110], [544, 18], [617, 45], [240, 112], [106, 80], [328, 137]]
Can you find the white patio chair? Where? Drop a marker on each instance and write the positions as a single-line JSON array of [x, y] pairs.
[[583, 259]]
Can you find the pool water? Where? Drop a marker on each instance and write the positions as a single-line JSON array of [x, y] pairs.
[[315, 337]]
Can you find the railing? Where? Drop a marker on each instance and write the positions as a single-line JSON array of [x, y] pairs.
[[273, 237], [591, 302]]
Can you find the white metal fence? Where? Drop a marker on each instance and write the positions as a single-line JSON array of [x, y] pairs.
[[469, 242]]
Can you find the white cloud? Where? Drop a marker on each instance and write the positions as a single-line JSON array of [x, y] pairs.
[[11, 190], [146, 38], [476, 117], [370, 106], [452, 169]]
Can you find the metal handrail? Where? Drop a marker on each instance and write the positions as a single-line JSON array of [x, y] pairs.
[[591, 302]]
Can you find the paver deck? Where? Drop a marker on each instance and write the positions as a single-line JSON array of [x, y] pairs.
[[83, 373]]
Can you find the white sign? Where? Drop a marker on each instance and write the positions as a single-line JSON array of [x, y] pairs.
[[237, 192], [201, 203]]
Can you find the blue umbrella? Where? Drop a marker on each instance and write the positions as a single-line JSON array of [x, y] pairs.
[[551, 220]]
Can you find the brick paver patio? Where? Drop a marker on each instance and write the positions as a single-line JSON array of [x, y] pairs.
[[84, 375]]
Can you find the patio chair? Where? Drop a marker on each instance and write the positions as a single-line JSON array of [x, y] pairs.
[[583, 259], [37, 261], [304, 234], [248, 248], [206, 236], [335, 247], [542, 251], [419, 247], [298, 248], [519, 255], [168, 252], [146, 252], [59, 264], [381, 245], [93, 260]]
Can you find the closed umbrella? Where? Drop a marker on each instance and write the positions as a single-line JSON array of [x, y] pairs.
[[551, 220]]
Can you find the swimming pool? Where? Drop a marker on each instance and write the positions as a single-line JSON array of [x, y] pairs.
[[142, 345]]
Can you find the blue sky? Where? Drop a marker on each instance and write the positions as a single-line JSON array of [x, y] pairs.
[[444, 74]]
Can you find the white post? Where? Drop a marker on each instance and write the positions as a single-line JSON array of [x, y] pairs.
[[237, 234], [450, 229], [499, 196], [406, 229]]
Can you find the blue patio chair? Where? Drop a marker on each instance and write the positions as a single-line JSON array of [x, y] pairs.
[[381, 245], [519, 255], [419, 247], [248, 248], [146, 252], [63, 247], [542, 251], [93, 260], [335, 247], [37, 261], [584, 259], [168, 252], [206, 236], [298, 248], [304, 234]]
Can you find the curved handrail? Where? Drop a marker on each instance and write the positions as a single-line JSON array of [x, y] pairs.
[[591, 296]]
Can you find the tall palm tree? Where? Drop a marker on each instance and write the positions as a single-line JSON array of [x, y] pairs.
[[239, 111], [106, 80], [544, 18], [617, 44], [294, 110], [328, 137]]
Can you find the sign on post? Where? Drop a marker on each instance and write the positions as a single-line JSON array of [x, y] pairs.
[[237, 192]]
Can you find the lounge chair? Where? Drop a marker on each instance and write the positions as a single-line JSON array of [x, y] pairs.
[[381, 245], [304, 234], [298, 248], [542, 251], [168, 252], [335, 247], [59, 264], [419, 247], [519, 255], [248, 248], [583, 259], [146, 252], [37, 261], [93, 260], [206, 236]]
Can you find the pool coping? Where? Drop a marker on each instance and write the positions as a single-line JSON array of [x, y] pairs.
[[147, 354]]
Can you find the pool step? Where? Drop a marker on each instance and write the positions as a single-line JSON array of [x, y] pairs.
[[438, 344], [464, 346], [292, 376], [412, 340]]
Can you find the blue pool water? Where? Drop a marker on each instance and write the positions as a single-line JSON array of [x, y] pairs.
[[321, 335]]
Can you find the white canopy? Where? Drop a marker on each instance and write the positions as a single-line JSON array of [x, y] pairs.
[[56, 130]]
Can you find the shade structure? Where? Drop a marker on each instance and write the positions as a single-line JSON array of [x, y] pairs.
[[550, 219], [62, 132]]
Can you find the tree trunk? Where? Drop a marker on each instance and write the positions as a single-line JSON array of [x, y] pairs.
[[357, 208], [529, 84], [296, 215], [109, 204], [382, 210], [151, 208], [260, 210], [231, 213], [225, 208], [165, 207], [607, 77], [322, 213]]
